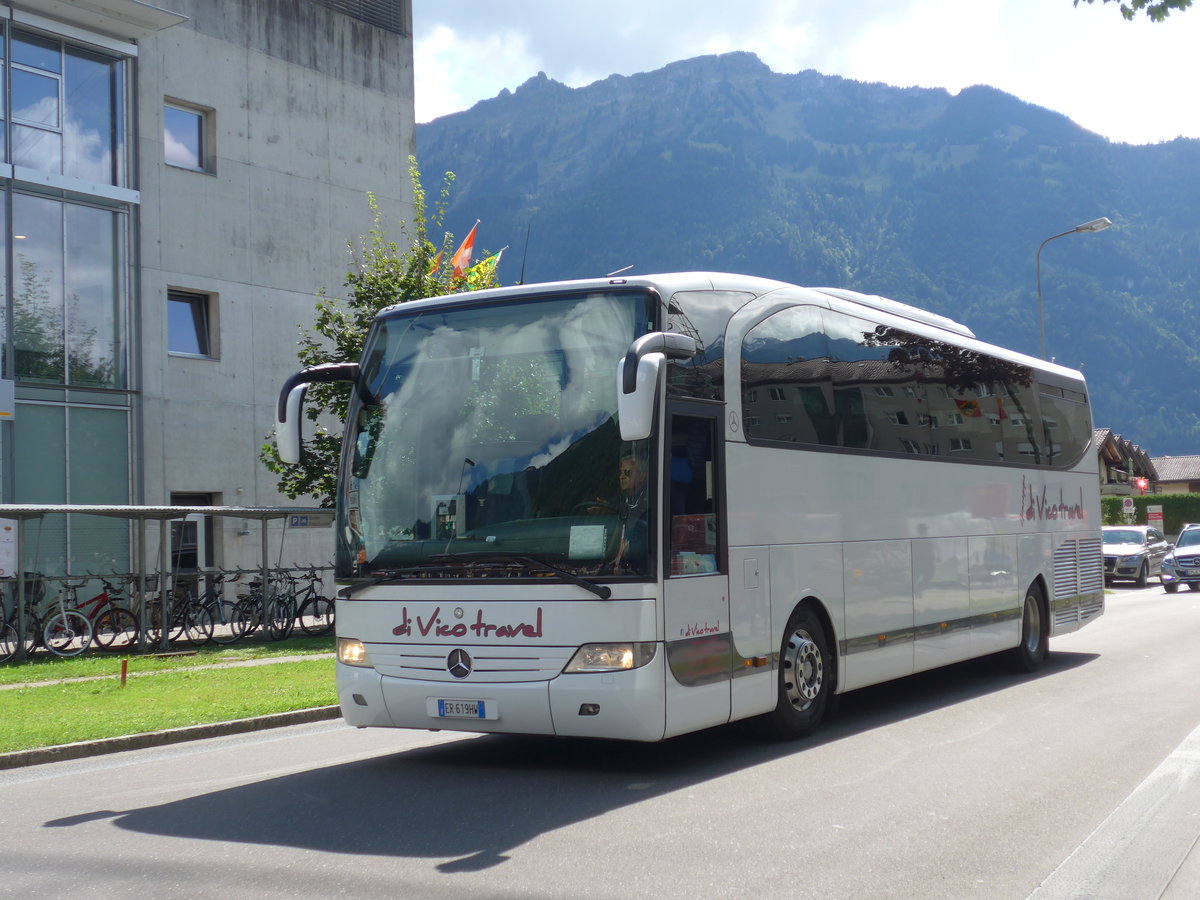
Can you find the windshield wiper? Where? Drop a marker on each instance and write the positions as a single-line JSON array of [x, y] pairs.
[[386, 577], [600, 590]]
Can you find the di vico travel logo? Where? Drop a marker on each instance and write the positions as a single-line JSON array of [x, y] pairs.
[[434, 625], [1042, 506]]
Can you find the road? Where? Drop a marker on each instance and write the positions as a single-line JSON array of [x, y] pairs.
[[969, 782]]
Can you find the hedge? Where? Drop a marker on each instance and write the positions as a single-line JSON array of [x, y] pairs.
[[1178, 510]]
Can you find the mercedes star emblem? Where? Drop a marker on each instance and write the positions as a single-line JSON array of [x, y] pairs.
[[458, 663]]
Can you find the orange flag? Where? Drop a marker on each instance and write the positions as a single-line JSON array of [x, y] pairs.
[[462, 257]]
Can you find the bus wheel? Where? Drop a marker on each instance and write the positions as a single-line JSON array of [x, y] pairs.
[[1029, 655], [805, 677]]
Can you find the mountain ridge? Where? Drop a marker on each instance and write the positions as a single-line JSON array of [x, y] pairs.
[[935, 199]]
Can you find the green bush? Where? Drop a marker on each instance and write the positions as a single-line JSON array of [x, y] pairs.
[[1178, 510]]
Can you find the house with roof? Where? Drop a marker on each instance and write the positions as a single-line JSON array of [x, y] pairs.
[[1178, 474], [1122, 464]]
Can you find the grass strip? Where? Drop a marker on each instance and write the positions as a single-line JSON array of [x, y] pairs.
[[44, 667], [48, 715]]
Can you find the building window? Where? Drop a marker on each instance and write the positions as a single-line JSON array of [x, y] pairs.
[[68, 295], [65, 109], [185, 138], [189, 318], [74, 454]]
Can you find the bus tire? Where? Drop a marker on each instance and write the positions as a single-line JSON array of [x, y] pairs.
[[1031, 652], [806, 677]]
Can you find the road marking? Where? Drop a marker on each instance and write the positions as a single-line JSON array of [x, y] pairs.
[[1137, 850]]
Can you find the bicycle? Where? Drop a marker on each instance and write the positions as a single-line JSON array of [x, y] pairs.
[[15, 641], [188, 620], [315, 612], [65, 632], [223, 612], [276, 614], [114, 628]]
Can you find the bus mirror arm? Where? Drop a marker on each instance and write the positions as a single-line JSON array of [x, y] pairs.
[[638, 375], [669, 344], [291, 401]]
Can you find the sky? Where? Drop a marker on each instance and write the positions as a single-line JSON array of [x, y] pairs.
[[1133, 82]]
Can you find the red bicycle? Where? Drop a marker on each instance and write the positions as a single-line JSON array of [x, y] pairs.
[[114, 627]]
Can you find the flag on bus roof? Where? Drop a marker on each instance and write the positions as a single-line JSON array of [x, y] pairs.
[[461, 260]]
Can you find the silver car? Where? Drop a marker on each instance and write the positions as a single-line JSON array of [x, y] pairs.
[[1133, 553]]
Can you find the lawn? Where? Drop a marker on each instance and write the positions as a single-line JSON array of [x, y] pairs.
[[44, 667], [160, 692]]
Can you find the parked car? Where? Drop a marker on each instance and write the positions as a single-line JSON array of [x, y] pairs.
[[1134, 553], [1182, 564]]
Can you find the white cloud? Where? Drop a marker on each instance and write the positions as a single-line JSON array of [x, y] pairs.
[[1131, 81], [456, 69]]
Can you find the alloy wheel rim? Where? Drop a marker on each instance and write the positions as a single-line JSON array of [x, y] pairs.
[[804, 670]]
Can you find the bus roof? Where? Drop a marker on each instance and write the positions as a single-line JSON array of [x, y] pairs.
[[667, 284]]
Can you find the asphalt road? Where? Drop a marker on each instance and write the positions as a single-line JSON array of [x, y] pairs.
[[1080, 781]]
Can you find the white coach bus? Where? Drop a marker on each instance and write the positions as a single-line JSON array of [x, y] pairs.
[[637, 507]]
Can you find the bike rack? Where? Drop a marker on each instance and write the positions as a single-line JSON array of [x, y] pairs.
[[145, 516]]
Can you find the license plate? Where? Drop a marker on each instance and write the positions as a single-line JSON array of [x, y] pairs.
[[1191, 571], [462, 709]]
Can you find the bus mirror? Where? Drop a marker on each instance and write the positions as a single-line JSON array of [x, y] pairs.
[[635, 410], [291, 400], [637, 379], [287, 429]]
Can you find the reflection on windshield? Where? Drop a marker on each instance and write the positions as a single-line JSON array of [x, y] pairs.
[[492, 433]]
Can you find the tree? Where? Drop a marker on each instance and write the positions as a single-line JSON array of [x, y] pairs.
[[1157, 10], [382, 273]]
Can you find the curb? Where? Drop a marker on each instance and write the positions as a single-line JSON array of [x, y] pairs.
[[83, 749]]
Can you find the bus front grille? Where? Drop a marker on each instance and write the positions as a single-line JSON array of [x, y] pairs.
[[488, 664]]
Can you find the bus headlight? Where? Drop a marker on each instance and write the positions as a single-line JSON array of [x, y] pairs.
[[351, 652], [611, 657]]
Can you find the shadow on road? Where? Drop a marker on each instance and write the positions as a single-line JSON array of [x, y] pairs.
[[471, 801]]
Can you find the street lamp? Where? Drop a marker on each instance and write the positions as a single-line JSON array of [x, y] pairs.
[[1094, 225]]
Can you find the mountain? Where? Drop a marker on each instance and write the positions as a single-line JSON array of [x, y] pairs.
[[934, 199]]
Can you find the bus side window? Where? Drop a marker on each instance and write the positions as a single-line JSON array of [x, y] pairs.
[[693, 497]]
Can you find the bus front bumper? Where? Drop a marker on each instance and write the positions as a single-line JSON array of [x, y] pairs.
[[628, 705]]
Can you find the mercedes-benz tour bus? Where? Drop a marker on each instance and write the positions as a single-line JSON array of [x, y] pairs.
[[634, 507]]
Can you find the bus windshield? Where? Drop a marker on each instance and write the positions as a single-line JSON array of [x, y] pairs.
[[483, 442]]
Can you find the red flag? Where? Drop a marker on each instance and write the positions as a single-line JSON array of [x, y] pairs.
[[968, 407], [1000, 408], [462, 257]]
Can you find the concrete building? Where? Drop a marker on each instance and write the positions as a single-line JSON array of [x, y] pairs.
[[178, 184]]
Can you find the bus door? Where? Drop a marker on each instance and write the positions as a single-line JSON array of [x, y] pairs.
[[696, 583]]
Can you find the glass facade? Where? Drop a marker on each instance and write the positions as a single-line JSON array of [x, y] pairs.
[[64, 114], [65, 328]]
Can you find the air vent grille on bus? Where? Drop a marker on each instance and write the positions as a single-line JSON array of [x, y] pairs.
[[1078, 568]]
